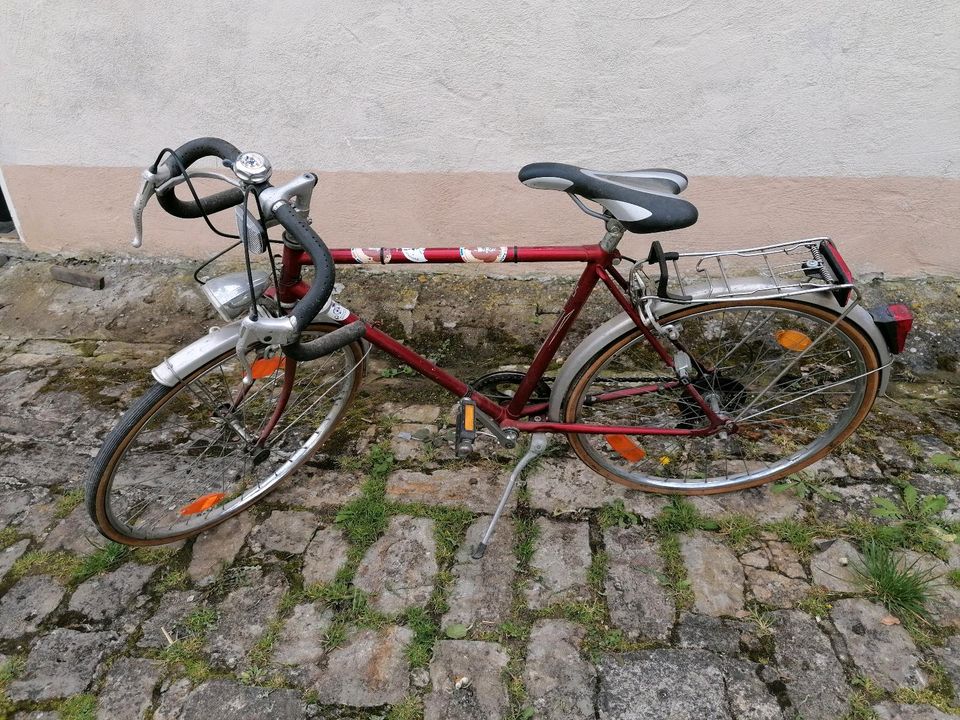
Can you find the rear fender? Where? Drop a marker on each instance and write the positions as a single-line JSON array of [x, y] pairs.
[[618, 326]]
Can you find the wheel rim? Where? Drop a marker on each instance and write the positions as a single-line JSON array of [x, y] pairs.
[[189, 448], [743, 349]]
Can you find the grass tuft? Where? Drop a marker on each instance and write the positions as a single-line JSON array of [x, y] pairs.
[[79, 707], [680, 515], [903, 590], [61, 565], [410, 708], [107, 558], [66, 503]]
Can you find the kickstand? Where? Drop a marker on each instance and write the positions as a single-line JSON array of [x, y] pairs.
[[537, 445]]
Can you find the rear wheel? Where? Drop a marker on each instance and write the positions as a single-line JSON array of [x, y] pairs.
[[185, 458], [788, 414]]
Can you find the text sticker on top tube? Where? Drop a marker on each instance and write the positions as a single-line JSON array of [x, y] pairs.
[[417, 255], [483, 254]]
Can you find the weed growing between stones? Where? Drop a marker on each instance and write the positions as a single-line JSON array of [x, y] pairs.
[[10, 669], [185, 655], [816, 602], [805, 486], [258, 659], [110, 556], [680, 515], [914, 521], [67, 502], [953, 577], [615, 514], [410, 708], [62, 565], [903, 590], [739, 530], [79, 707], [676, 572], [8, 536], [798, 535]]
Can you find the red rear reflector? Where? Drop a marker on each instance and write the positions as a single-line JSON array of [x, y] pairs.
[[894, 323], [204, 502], [839, 268], [626, 448]]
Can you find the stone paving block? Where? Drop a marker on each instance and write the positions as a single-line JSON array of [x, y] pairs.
[[75, 534], [681, 685], [173, 693], [639, 603], [855, 503], [369, 670], [715, 575], [38, 514], [302, 639], [861, 468], [482, 590], [813, 676], [27, 604], [477, 668], [833, 567], [885, 653], [895, 711], [128, 690], [107, 596], [759, 503], [243, 616], [893, 454], [477, 489], [423, 414], [708, 633], [325, 555], [173, 608], [284, 531], [566, 485], [560, 563], [776, 590], [217, 548], [62, 663], [318, 489], [410, 440], [224, 698], [399, 568], [38, 715], [559, 682], [8, 556], [941, 484]]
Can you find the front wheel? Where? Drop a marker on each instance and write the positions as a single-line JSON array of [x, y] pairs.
[[185, 458], [795, 382]]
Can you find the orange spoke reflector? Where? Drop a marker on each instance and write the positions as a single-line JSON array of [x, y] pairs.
[[626, 447], [793, 340], [204, 502], [265, 367]]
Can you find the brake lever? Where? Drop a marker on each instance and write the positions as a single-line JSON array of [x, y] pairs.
[[147, 190]]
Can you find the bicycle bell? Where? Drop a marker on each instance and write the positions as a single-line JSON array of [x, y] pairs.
[[252, 168]]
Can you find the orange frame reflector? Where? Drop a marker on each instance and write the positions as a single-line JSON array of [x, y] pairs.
[[265, 367], [204, 502], [626, 448]]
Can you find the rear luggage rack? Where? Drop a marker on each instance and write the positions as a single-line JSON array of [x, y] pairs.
[[765, 272]]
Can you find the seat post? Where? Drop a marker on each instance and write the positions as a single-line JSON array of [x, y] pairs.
[[613, 235]]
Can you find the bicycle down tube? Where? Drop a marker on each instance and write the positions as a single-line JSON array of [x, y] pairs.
[[599, 268]]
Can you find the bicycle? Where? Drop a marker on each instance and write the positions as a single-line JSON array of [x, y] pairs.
[[724, 370]]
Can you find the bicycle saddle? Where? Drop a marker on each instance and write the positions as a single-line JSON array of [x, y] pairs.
[[645, 201]]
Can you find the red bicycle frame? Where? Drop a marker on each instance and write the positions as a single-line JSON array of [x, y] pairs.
[[599, 268]]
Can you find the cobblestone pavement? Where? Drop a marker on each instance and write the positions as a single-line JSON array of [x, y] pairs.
[[592, 602]]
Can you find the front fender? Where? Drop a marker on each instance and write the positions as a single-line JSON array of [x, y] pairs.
[[621, 324], [219, 340]]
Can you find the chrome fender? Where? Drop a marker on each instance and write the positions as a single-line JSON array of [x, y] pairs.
[[220, 339], [621, 324]]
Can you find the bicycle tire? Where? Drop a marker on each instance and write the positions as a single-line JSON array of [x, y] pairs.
[[763, 449], [131, 462]]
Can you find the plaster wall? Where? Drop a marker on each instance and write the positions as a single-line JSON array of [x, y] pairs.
[[793, 119]]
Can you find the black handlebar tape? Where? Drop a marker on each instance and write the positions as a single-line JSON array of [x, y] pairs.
[[311, 303], [189, 153], [326, 344]]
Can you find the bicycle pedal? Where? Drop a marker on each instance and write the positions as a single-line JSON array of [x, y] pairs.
[[466, 428]]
